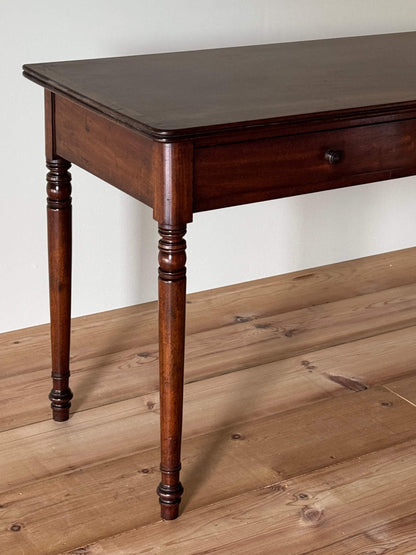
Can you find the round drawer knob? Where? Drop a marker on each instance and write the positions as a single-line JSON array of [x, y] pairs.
[[333, 156]]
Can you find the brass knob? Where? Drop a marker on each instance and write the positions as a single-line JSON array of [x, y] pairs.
[[333, 156]]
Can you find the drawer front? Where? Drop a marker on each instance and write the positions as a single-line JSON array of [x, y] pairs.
[[240, 173]]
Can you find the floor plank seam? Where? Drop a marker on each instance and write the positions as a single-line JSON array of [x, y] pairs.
[[140, 452], [279, 483], [401, 396], [234, 321], [360, 533], [299, 352]]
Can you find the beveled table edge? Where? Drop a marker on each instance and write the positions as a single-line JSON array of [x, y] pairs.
[[396, 109]]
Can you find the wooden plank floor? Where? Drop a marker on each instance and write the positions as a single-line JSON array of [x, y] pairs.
[[299, 424]]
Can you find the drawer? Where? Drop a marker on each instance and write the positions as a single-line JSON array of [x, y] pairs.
[[239, 173]]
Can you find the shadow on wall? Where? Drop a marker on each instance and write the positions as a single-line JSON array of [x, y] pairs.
[[114, 247]]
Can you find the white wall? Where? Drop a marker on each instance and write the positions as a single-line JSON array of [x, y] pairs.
[[115, 236]]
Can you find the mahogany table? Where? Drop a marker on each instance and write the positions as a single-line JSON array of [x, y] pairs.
[[192, 131]]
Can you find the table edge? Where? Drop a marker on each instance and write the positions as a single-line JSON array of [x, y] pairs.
[[398, 109]]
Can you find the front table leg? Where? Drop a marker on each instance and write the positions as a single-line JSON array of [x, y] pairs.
[[172, 292], [59, 250]]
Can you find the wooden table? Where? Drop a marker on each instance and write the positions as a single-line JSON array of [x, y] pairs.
[[193, 131]]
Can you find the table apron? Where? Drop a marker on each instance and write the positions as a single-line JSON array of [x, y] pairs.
[[110, 151]]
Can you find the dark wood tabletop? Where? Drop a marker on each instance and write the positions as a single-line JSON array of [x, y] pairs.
[[186, 93]]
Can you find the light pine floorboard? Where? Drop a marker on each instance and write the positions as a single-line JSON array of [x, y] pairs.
[[299, 423]]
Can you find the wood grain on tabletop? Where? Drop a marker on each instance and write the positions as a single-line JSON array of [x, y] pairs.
[[177, 94]]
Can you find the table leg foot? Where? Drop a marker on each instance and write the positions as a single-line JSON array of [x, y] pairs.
[[169, 499], [60, 403]]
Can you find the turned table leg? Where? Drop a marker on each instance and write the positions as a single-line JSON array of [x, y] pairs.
[[59, 251], [172, 291]]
